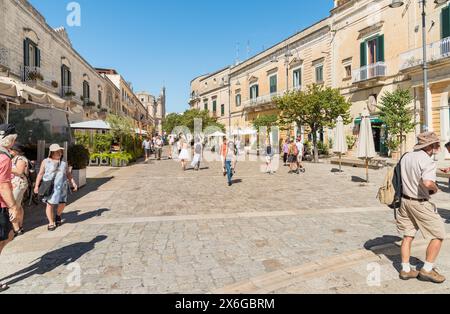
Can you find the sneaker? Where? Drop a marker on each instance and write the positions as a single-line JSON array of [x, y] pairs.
[[413, 274], [432, 276]]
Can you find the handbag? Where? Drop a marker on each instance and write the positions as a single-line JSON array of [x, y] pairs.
[[46, 187]]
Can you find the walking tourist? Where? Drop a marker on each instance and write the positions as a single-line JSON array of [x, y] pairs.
[[8, 205], [184, 156], [198, 151], [230, 159], [292, 157], [20, 172], [269, 159], [223, 155], [159, 144], [417, 213], [300, 149], [171, 144], [147, 145], [285, 152], [52, 184]]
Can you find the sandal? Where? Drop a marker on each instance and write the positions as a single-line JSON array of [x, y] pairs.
[[3, 287], [58, 221], [18, 232], [51, 228]]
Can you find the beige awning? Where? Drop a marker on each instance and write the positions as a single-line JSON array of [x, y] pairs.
[[13, 88]]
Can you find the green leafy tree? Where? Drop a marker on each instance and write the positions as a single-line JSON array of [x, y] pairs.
[[268, 121], [121, 127], [397, 113], [187, 119], [318, 108]]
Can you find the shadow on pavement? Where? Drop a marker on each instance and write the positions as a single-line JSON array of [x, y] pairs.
[[52, 260], [74, 217], [358, 179], [35, 215]]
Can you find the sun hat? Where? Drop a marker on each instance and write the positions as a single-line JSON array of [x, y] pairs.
[[7, 129], [426, 139], [54, 148]]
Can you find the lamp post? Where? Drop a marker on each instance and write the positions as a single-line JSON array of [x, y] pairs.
[[398, 4]]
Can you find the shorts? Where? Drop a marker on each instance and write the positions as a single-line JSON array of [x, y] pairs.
[[292, 159], [269, 159], [5, 224], [414, 216], [148, 151]]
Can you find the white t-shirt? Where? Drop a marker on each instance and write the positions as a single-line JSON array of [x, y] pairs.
[[147, 144], [417, 167], [300, 148]]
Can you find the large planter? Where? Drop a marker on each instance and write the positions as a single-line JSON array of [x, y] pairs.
[[94, 162], [104, 162], [395, 155], [115, 162], [80, 177]]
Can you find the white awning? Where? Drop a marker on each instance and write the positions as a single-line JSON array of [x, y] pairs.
[[91, 125], [217, 134], [13, 88], [247, 131]]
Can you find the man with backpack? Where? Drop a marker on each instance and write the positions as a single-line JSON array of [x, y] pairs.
[[417, 213]]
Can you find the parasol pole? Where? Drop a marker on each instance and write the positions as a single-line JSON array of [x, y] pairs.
[[340, 162], [367, 170]]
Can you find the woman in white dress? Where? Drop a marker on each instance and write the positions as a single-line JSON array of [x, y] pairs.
[[198, 150], [184, 154]]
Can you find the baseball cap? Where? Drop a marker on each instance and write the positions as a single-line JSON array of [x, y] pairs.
[[7, 129]]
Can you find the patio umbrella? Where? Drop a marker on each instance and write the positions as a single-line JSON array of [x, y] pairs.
[[366, 145], [340, 143]]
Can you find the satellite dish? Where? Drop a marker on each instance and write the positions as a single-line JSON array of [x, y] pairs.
[[372, 104]]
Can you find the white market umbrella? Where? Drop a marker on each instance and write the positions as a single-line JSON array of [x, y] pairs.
[[340, 143], [366, 145], [217, 134]]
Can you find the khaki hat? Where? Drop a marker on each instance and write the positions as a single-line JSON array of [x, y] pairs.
[[54, 148], [426, 139]]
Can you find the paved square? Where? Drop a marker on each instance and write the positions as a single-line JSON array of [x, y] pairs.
[[151, 228]]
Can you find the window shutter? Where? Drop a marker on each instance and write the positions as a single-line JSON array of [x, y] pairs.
[[380, 48], [38, 57], [445, 22], [363, 54], [69, 78], [257, 91], [26, 52]]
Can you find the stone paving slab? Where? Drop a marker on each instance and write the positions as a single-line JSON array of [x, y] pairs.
[[151, 228]]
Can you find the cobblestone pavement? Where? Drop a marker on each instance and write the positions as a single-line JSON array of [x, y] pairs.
[[151, 228]]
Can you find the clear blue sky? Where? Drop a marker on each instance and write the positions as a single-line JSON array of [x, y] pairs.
[[156, 42]]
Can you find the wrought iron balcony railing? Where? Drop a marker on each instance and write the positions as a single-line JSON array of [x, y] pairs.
[[371, 71], [435, 51]]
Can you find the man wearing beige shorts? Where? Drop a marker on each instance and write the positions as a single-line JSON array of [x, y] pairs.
[[417, 213]]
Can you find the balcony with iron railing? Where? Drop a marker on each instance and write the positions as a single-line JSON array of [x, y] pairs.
[[436, 51], [369, 72], [68, 94], [4, 58], [262, 100], [32, 76]]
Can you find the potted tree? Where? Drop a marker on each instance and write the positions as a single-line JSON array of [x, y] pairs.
[[78, 158], [394, 148]]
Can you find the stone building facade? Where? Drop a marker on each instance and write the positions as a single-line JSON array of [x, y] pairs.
[[364, 48]]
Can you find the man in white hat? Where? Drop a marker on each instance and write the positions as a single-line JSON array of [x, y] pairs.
[[8, 205], [417, 213]]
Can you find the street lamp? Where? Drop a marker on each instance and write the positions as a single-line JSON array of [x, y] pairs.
[[398, 4]]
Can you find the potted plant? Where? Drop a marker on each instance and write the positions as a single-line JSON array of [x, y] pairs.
[[34, 76], [94, 160], [351, 142], [394, 147], [120, 159], [78, 158], [55, 84], [105, 159], [70, 94]]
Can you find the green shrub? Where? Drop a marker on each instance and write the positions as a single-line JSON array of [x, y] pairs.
[[78, 157], [102, 143]]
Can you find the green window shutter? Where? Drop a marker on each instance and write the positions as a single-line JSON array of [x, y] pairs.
[[38, 57], [363, 54], [380, 48], [257, 91], [445, 22], [222, 110], [26, 52]]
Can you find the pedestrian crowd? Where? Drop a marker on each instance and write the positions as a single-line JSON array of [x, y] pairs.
[[52, 186]]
